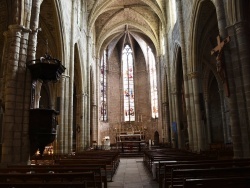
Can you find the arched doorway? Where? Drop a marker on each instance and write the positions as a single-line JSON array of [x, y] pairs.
[[156, 138]]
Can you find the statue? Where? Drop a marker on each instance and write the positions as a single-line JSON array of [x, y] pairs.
[[220, 65]]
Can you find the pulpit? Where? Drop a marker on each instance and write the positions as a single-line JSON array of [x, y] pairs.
[[42, 129], [42, 122]]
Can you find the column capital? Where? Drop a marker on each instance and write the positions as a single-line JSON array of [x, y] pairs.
[[193, 75], [16, 30], [64, 76], [240, 24]]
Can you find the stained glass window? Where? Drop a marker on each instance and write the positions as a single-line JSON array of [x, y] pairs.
[[103, 84], [153, 84], [128, 84]]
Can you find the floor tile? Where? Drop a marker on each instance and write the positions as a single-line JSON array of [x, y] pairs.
[[131, 173]]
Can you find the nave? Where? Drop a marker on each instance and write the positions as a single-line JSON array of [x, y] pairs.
[[161, 167]]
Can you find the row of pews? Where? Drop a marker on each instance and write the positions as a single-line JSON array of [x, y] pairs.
[[180, 168], [88, 169]]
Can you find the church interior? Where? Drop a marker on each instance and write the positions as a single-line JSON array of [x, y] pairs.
[[163, 79]]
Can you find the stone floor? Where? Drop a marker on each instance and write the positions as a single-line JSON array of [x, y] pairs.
[[132, 173]]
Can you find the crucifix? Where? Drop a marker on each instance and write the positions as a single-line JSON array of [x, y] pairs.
[[220, 65]]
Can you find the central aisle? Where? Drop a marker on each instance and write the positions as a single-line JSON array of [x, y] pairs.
[[132, 173]]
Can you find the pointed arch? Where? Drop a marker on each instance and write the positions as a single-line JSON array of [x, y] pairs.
[[208, 83]]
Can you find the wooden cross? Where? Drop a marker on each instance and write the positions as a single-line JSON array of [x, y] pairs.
[[220, 45], [220, 65]]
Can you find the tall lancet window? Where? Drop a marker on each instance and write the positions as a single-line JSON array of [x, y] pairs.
[[153, 84], [103, 83], [128, 84]]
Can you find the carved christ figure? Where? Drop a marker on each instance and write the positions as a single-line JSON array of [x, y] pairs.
[[220, 65]]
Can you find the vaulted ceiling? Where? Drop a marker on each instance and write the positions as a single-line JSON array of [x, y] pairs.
[[111, 20]]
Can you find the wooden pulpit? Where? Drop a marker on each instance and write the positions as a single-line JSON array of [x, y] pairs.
[[43, 122], [42, 128]]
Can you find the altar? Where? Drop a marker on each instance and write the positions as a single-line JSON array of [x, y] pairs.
[[130, 141]]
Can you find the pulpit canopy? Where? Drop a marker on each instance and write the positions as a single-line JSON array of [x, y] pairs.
[[46, 68]]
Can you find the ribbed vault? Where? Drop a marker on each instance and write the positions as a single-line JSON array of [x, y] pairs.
[[110, 19]]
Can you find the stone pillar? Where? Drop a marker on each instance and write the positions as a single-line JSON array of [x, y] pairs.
[[239, 46], [95, 98], [159, 93], [86, 135], [82, 132], [34, 23], [11, 147], [242, 39], [230, 70], [59, 144], [66, 107], [168, 97], [185, 70], [79, 123], [31, 52], [24, 96], [174, 111], [192, 123], [15, 95], [198, 122], [208, 127], [177, 118], [94, 123], [225, 128]]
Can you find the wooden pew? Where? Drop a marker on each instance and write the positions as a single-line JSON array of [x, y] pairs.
[[109, 165], [107, 160], [227, 182], [43, 185], [178, 175], [99, 170], [113, 156], [84, 178], [152, 157], [165, 177]]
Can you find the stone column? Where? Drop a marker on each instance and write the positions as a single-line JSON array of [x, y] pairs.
[[160, 94], [208, 127], [94, 123], [174, 111], [199, 126], [24, 95], [59, 144], [95, 98], [230, 70], [66, 107], [15, 97], [86, 139], [177, 118], [192, 123], [11, 147], [79, 123], [185, 70], [243, 43], [223, 116], [168, 96], [31, 52]]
